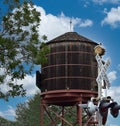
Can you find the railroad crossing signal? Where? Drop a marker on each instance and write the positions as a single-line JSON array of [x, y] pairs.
[[103, 68], [102, 76]]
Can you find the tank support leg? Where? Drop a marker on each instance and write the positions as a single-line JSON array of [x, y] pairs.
[[79, 115], [62, 115], [41, 114]]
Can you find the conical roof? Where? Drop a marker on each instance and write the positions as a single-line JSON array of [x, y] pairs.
[[71, 37]]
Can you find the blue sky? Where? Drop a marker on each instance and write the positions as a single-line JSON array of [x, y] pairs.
[[98, 20]]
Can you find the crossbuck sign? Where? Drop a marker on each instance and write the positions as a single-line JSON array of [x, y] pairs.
[[102, 73]]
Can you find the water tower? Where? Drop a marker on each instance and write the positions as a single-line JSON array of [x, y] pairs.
[[68, 78]]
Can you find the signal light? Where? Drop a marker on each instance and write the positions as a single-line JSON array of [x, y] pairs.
[[115, 110], [90, 107], [103, 109], [104, 106]]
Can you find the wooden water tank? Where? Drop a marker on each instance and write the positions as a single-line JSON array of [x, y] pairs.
[[71, 67]]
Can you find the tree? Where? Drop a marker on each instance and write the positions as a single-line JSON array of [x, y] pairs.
[[5, 122], [28, 113], [20, 46]]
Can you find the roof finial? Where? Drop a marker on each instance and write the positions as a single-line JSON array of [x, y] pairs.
[[70, 24]]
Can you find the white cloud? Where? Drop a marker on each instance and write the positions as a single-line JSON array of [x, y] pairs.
[[86, 23], [53, 26], [29, 84], [4, 87], [1, 114], [10, 112], [2, 71], [106, 1], [112, 17], [99, 1], [86, 4], [114, 92], [112, 76], [118, 66]]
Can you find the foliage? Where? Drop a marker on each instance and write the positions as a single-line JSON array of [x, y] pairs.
[[20, 46], [5, 122], [28, 113]]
